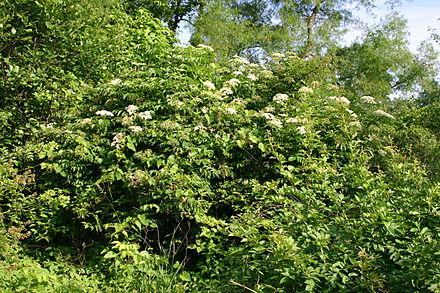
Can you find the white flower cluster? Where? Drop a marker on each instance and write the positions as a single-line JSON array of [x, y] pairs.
[[115, 81], [292, 120], [104, 113], [342, 100], [252, 77], [352, 114], [267, 73], [231, 111], [272, 119], [268, 116], [209, 85], [135, 128], [146, 115], [233, 82], [205, 47], [275, 122], [305, 90], [131, 109], [278, 55], [369, 100], [239, 60], [226, 91], [301, 130], [237, 72], [383, 113], [280, 98], [85, 121], [117, 139]]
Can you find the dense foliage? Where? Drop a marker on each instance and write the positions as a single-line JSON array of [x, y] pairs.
[[129, 164]]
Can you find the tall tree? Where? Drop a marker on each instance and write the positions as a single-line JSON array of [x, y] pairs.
[[171, 12], [306, 27]]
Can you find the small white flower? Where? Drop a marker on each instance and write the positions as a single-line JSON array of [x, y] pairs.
[[278, 55], [343, 100], [292, 120], [115, 81], [146, 115], [117, 140], [369, 100], [305, 90], [226, 91], [275, 122], [269, 109], [240, 60], [239, 102], [233, 82], [180, 103], [237, 72], [209, 85], [131, 109], [301, 130], [252, 77], [268, 116], [315, 83], [279, 98], [383, 113], [352, 114], [135, 129], [49, 125], [206, 47], [104, 113], [267, 73], [231, 111], [69, 131], [85, 121], [127, 120]]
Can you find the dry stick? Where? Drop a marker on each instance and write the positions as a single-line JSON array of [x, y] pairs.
[[243, 286]]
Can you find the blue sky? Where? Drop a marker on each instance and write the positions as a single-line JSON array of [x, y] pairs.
[[421, 15]]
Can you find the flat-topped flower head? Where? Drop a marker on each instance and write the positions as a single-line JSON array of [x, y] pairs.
[[342, 100], [209, 85], [131, 109], [268, 116], [301, 130], [278, 55], [305, 90], [104, 113], [205, 47], [368, 100], [383, 113], [237, 72], [115, 81], [231, 111], [275, 122], [117, 139], [252, 77], [233, 82], [279, 98], [226, 91], [292, 120], [135, 128], [239, 60], [146, 115]]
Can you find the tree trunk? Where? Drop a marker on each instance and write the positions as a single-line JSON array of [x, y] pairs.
[[310, 24]]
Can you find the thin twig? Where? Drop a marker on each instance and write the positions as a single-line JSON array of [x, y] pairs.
[[243, 286]]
